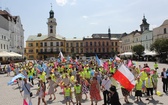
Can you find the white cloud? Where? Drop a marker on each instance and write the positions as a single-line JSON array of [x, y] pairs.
[[85, 17], [61, 2]]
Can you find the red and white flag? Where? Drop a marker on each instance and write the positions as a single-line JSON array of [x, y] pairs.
[[62, 57], [124, 76]]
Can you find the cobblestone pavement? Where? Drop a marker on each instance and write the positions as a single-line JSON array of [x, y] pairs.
[[10, 95]]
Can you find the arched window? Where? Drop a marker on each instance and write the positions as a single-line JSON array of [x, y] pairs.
[[51, 30]]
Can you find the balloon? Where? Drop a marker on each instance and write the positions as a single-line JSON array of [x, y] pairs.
[[72, 78], [158, 93], [15, 80]]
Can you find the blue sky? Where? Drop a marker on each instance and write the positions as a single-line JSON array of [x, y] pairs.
[[79, 18]]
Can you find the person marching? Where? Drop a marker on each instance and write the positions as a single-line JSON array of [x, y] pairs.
[[78, 93], [149, 86], [67, 94], [138, 89], [41, 93]]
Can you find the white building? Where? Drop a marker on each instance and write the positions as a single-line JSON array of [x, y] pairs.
[[12, 33], [147, 39]]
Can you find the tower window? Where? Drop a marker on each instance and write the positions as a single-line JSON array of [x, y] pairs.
[[51, 30], [165, 31]]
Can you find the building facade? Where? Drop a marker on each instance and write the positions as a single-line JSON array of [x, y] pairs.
[[161, 31], [12, 32], [135, 37], [45, 46]]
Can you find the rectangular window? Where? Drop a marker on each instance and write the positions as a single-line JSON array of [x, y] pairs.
[[4, 46], [81, 51], [71, 44], [45, 50], [30, 44], [36, 50], [86, 50], [95, 50], [90, 43], [7, 47], [30, 51], [41, 44], [165, 31], [90, 50], [86, 43], [107, 50], [76, 44], [67, 50], [81, 44], [45, 44], [31, 57], [51, 43], [112, 43], [99, 49], [36, 44], [116, 44], [51, 50], [67, 44], [107, 44], [94, 43], [57, 43], [41, 50], [61, 43]]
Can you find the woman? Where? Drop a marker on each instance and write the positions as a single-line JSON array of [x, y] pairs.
[[125, 93], [51, 88], [41, 93], [94, 91], [84, 86], [114, 98]]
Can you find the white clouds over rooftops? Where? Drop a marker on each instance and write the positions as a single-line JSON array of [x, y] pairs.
[[64, 2]]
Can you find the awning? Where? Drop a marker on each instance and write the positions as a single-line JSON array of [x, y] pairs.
[[126, 54], [5, 54], [15, 54]]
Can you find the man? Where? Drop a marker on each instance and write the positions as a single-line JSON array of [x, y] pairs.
[[26, 88], [164, 80], [78, 93], [106, 84]]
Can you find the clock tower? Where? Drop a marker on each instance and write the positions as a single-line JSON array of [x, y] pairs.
[[51, 24]]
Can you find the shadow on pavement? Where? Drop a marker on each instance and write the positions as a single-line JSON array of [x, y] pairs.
[[155, 102]]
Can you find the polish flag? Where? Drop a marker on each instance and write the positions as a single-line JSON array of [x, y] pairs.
[[62, 57], [125, 77]]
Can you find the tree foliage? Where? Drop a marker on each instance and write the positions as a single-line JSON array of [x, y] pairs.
[[160, 45], [138, 49]]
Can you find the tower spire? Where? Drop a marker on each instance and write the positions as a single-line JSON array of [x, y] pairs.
[[51, 6]]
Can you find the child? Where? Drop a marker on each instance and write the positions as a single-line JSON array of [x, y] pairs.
[[138, 89], [67, 94]]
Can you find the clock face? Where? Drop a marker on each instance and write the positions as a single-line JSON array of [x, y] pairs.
[[51, 26]]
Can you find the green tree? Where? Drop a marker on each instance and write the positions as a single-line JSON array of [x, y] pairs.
[[160, 46], [138, 49]]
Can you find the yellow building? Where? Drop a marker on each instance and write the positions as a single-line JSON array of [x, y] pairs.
[[46, 46]]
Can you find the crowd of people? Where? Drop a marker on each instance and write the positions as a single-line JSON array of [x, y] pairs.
[[85, 80]]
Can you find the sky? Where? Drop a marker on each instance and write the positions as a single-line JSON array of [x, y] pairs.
[[81, 18]]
